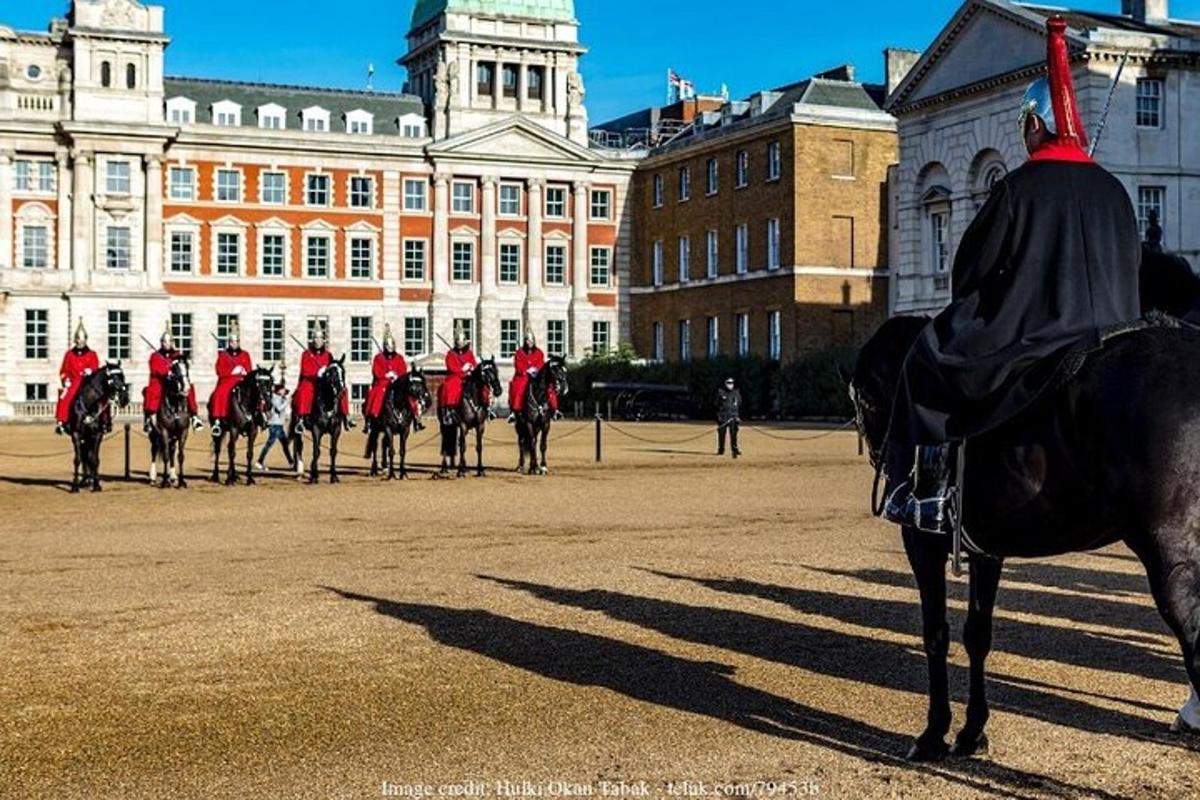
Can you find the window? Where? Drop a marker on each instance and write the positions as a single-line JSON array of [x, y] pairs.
[[229, 186], [34, 176], [556, 202], [272, 117], [360, 339], [601, 266], [316, 120], [37, 333], [1150, 199], [273, 255], [359, 392], [181, 332], [534, 83], [774, 161], [713, 179], [508, 75], [467, 326], [685, 259], [118, 248], [414, 336], [510, 200], [510, 263], [510, 337], [117, 177], [685, 183], [35, 247], [36, 392], [556, 265], [657, 263], [225, 325], [413, 130], [229, 253], [556, 337], [463, 198], [414, 194], [1149, 102], [183, 183], [130, 76], [600, 339], [773, 257], [485, 79], [742, 248], [743, 168], [23, 181], [742, 322], [119, 344], [45, 181], [316, 256], [227, 114], [714, 266], [774, 335], [656, 341], [181, 111], [274, 188], [362, 257], [106, 74], [658, 191], [183, 252], [360, 123], [685, 340], [181, 116], [362, 191], [313, 324], [414, 260], [462, 262], [317, 190], [601, 204], [272, 338], [939, 246], [713, 337]]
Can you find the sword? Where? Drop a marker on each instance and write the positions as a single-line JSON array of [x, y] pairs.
[[443, 338], [301, 344], [148, 342], [1112, 90]]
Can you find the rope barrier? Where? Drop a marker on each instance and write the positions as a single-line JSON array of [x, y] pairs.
[[811, 438], [697, 437]]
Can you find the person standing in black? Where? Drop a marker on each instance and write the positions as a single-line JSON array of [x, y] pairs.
[[729, 416]]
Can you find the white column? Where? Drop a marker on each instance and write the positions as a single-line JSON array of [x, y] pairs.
[[154, 221], [487, 238], [580, 338], [82, 235], [534, 241], [6, 209], [62, 251], [393, 252], [440, 312]]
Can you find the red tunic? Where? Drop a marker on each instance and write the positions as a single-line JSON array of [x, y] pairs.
[[76, 365], [311, 364], [231, 368], [459, 364], [384, 369], [524, 361], [160, 367]]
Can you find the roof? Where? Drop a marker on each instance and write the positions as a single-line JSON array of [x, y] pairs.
[[1087, 20], [384, 106], [557, 10]]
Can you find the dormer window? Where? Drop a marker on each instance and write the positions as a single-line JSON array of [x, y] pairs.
[[227, 114], [272, 117], [412, 126], [315, 119], [360, 122], [181, 111]]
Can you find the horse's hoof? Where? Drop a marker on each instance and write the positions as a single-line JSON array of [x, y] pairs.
[[231, 481], [74, 490], [970, 746], [96, 487], [923, 751], [182, 484], [543, 471], [335, 479], [251, 482]]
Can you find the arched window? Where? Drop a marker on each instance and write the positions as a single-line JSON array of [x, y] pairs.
[[130, 76], [106, 74]]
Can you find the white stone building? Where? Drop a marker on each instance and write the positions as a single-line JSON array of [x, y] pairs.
[[957, 114], [132, 201]]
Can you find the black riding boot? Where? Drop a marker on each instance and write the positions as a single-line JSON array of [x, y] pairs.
[[925, 501]]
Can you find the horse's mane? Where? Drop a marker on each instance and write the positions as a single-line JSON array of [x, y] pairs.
[[882, 356]]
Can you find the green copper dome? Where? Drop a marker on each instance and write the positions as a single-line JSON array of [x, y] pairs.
[[558, 10]]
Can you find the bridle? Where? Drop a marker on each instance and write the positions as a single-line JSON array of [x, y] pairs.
[[877, 457]]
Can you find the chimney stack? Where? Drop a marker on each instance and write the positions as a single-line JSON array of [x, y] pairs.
[[896, 65], [1145, 10]]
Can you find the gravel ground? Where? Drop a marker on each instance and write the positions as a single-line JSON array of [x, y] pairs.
[[666, 622]]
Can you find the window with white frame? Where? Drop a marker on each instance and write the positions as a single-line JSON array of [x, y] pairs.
[[556, 202], [362, 191], [714, 252], [227, 114], [774, 335], [360, 122], [415, 191], [35, 247], [743, 169], [274, 188], [362, 257], [34, 176], [45, 177], [272, 338], [774, 161], [685, 340], [601, 204], [1149, 102], [118, 177], [939, 245], [23, 176], [656, 342], [414, 259], [510, 200], [601, 266], [685, 183], [181, 111], [773, 251], [318, 249], [182, 182], [658, 190], [510, 263], [37, 333], [315, 119], [556, 337], [360, 339], [510, 337], [685, 259], [414, 336], [118, 251], [181, 332], [183, 252], [656, 262], [742, 326], [229, 253], [556, 265], [713, 176], [316, 190], [1150, 199], [272, 117], [713, 337], [359, 392], [412, 126], [120, 345], [462, 200], [37, 392], [741, 239], [229, 186], [601, 341], [272, 257], [462, 262]]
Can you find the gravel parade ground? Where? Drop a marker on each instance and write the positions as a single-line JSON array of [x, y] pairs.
[[666, 623]]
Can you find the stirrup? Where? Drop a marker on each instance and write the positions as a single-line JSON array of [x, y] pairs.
[[417, 424], [512, 418], [197, 424], [216, 430], [59, 429], [936, 515]]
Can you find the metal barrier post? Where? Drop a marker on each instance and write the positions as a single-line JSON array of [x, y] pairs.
[[127, 472], [599, 426]]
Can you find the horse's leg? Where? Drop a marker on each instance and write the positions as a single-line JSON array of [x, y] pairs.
[[251, 437], [977, 635], [404, 431], [181, 482], [545, 437], [462, 451], [216, 469], [298, 453], [75, 477], [334, 436], [372, 447], [153, 471], [231, 473], [93, 460], [521, 444], [927, 555], [479, 450], [313, 477]]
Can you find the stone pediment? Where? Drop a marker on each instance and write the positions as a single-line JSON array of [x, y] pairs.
[[513, 138]]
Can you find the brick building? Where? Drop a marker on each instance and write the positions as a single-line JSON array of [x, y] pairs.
[[761, 227]]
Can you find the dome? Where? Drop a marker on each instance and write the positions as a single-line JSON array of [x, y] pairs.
[[556, 10]]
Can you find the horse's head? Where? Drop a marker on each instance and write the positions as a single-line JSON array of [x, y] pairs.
[[335, 375], [489, 375], [113, 384], [263, 382], [179, 377], [877, 375], [556, 374], [418, 388]]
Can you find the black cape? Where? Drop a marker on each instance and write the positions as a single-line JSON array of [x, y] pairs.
[[1051, 259]]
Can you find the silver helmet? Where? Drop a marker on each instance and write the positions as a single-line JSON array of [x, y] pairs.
[[1039, 103]]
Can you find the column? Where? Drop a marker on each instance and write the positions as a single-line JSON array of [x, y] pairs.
[[82, 236], [154, 221], [487, 238], [581, 332], [440, 246], [62, 250], [392, 254], [534, 241], [6, 209]]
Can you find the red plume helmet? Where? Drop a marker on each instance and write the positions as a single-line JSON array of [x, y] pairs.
[[1062, 90]]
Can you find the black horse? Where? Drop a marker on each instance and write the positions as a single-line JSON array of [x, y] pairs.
[[1114, 456], [396, 419], [248, 401], [172, 425], [471, 413], [324, 418], [535, 416], [89, 410]]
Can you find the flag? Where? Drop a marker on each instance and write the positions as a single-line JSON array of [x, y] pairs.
[[680, 87]]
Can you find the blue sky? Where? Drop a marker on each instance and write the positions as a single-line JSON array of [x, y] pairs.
[[748, 45]]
